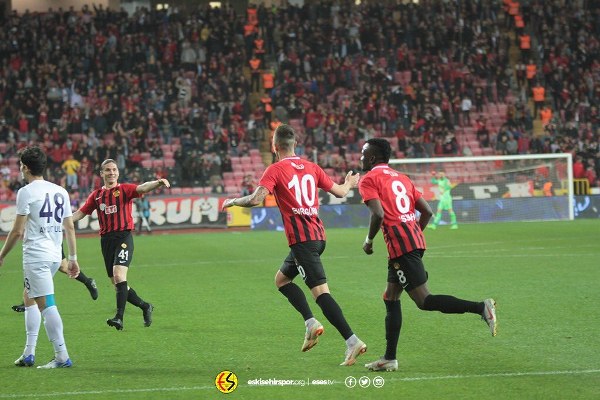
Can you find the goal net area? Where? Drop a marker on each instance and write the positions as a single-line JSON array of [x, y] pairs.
[[496, 188]]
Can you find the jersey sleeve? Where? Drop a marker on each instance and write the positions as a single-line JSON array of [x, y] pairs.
[[90, 205], [324, 181], [268, 179], [67, 206], [130, 190], [368, 189], [22, 203], [416, 193]]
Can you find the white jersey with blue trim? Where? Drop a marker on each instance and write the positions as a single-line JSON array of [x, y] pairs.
[[46, 205]]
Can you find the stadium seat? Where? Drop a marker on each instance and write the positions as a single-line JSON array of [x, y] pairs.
[[169, 163], [146, 163], [158, 163], [198, 190], [176, 190], [186, 190]]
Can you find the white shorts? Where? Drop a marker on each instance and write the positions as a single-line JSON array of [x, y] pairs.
[[38, 278]]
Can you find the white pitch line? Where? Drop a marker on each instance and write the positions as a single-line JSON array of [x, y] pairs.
[[386, 377], [499, 375], [112, 391]]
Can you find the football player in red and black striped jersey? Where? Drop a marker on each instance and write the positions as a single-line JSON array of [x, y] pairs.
[[394, 201], [295, 182], [113, 203]]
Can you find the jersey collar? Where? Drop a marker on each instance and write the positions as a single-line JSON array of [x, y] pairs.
[[380, 166]]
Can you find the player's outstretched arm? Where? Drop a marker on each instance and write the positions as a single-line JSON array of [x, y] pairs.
[[152, 185], [426, 212], [13, 236], [375, 222], [251, 200], [73, 265], [351, 181]]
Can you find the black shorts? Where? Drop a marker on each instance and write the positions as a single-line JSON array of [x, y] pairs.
[[305, 259], [408, 270], [117, 249]]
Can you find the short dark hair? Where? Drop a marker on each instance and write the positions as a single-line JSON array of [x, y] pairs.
[[35, 159], [107, 161], [381, 149], [284, 137]]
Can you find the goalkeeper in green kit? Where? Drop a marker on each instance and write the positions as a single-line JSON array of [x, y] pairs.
[[445, 202]]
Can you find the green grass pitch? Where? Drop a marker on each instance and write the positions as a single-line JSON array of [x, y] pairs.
[[218, 309]]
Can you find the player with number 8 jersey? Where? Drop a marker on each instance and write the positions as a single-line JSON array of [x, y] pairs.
[[393, 201], [398, 196]]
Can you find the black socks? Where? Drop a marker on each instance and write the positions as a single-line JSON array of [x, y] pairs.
[[334, 314], [393, 324], [451, 305], [296, 297]]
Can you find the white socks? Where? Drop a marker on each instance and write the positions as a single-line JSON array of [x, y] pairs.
[[33, 320], [351, 341], [309, 322], [54, 330]]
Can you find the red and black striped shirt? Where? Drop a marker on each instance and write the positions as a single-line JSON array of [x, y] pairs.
[[398, 195], [114, 207], [295, 183]]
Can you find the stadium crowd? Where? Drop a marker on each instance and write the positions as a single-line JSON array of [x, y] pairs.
[[198, 90]]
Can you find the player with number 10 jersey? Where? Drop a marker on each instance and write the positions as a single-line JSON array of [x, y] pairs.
[[398, 196], [295, 183]]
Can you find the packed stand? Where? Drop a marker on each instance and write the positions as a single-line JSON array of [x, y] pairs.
[[159, 92], [565, 71]]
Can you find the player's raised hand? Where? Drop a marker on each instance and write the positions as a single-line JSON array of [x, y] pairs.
[[164, 182], [352, 179], [228, 203]]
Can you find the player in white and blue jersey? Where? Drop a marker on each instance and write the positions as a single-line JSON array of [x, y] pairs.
[[43, 213]]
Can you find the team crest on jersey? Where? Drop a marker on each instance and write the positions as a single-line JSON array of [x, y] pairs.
[[124, 245], [396, 266], [297, 166], [116, 193]]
